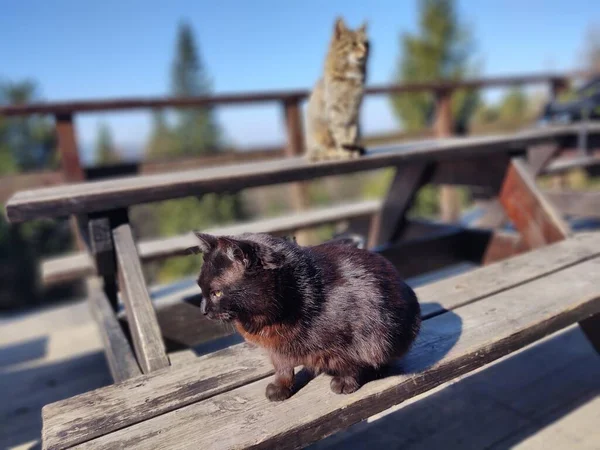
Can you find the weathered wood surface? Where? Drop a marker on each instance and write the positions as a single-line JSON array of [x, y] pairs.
[[77, 265], [576, 203], [435, 298], [70, 107], [408, 179], [150, 395], [532, 214], [120, 193], [512, 272], [565, 164], [539, 157], [118, 351], [141, 317], [101, 246], [472, 172], [449, 345]]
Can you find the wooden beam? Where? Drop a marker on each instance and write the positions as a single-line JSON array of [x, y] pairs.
[[405, 185], [575, 203], [78, 265], [69, 107], [67, 145], [112, 194], [472, 172], [449, 198], [531, 213], [119, 355], [141, 317], [538, 157], [449, 345]]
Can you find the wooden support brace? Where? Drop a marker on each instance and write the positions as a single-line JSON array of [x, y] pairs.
[[531, 213], [389, 222], [118, 351], [141, 317]]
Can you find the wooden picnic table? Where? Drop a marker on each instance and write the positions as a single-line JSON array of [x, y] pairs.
[[217, 401], [485, 315]]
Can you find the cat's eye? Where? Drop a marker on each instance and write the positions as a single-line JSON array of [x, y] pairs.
[[216, 294]]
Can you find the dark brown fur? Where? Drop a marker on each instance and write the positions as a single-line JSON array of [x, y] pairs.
[[333, 308]]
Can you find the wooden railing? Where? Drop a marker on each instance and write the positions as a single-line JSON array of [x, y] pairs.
[[65, 113]]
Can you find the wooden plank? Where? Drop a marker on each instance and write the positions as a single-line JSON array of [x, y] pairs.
[[444, 128], [565, 164], [538, 157], [101, 246], [256, 97], [591, 329], [119, 355], [151, 395], [143, 326], [514, 271], [472, 172], [78, 265], [389, 222], [78, 414], [576, 203], [448, 346], [119, 193], [531, 213], [294, 148]]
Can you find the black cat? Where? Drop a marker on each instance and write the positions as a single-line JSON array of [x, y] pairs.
[[333, 308]]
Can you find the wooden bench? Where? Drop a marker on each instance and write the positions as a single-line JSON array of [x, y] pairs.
[[140, 342], [218, 402]]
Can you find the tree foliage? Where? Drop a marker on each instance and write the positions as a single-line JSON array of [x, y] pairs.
[[106, 153], [195, 131], [26, 144], [441, 49]]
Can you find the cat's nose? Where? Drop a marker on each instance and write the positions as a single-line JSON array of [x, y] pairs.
[[203, 307]]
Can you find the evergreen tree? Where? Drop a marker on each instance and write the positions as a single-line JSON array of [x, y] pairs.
[[195, 132], [441, 49], [105, 148], [26, 143]]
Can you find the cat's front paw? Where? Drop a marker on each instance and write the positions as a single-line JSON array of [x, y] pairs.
[[277, 393], [344, 385]]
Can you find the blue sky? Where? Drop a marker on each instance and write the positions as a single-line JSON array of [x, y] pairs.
[[99, 49]]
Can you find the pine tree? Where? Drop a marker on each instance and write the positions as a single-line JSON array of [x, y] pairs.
[[442, 49], [197, 130], [105, 148]]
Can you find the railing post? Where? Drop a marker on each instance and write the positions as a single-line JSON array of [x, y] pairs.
[[449, 198], [67, 145], [70, 163], [294, 147], [558, 86]]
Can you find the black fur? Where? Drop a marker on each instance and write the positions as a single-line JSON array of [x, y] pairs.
[[333, 308]]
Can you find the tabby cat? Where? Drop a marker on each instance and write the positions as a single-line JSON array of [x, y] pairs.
[[332, 128]]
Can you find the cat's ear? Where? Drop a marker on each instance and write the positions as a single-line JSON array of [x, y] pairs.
[[363, 28], [206, 243], [231, 248], [268, 258], [340, 27], [255, 255]]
